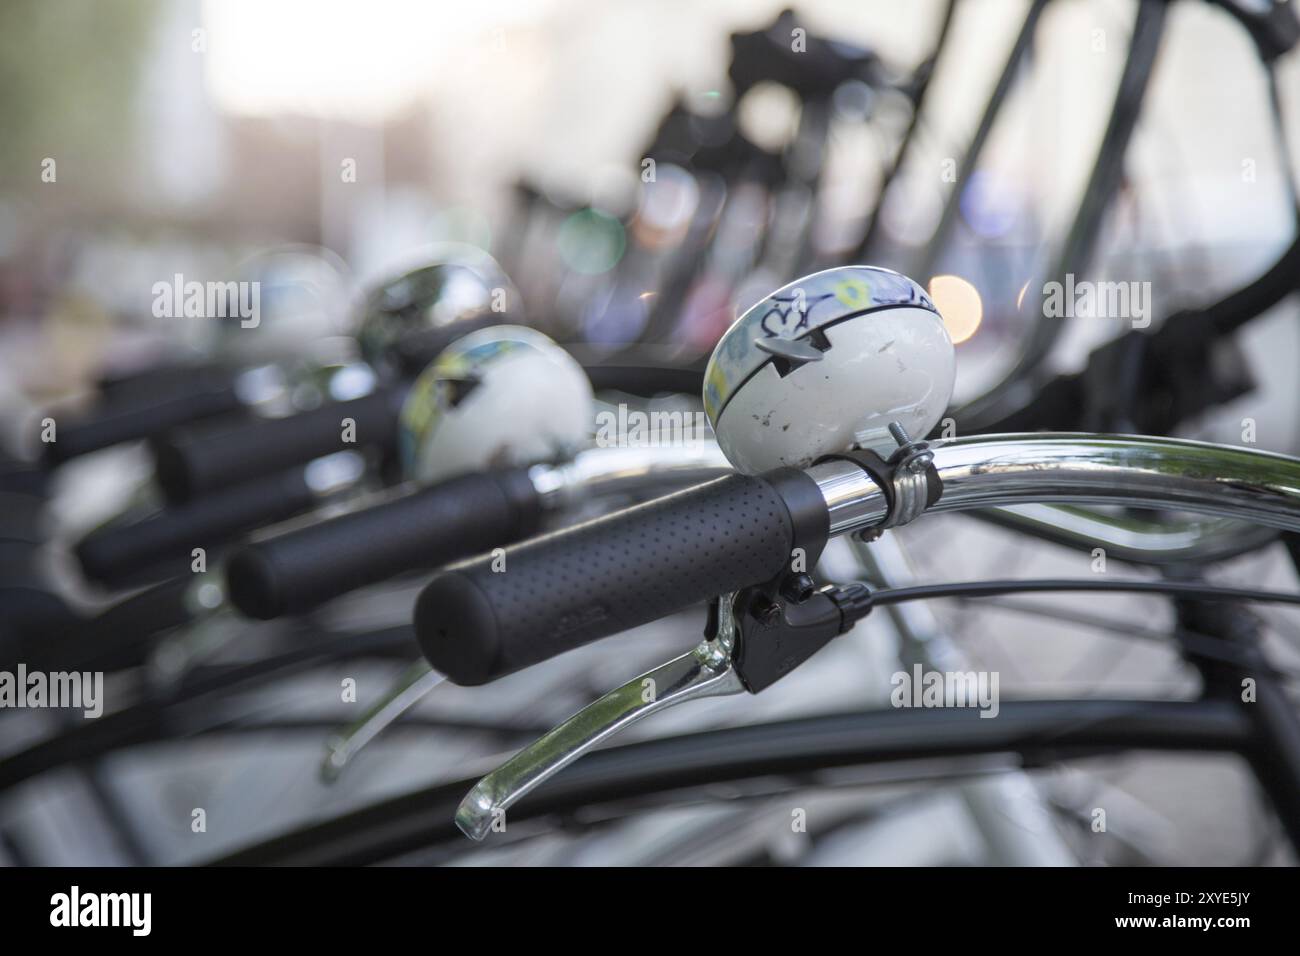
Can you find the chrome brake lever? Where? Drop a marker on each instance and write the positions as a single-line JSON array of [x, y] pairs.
[[706, 671], [409, 689]]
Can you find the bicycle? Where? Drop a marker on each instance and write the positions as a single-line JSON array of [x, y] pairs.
[[730, 543]]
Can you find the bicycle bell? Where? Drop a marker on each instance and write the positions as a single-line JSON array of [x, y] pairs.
[[826, 363], [409, 320], [498, 397]]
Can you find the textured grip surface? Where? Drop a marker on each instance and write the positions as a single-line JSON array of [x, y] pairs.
[[296, 571], [198, 460], [163, 542], [564, 590]]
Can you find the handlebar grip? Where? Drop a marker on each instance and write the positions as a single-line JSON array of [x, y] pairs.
[[123, 421], [133, 621], [296, 571], [30, 619], [563, 590], [196, 461], [119, 637], [168, 378], [119, 554], [124, 635], [645, 379]]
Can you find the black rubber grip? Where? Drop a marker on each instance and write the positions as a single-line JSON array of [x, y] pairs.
[[487, 617], [638, 370], [124, 635], [163, 542], [119, 637], [22, 517], [158, 608], [32, 480], [30, 619], [296, 571], [646, 380], [141, 417], [195, 461], [164, 380], [20, 564]]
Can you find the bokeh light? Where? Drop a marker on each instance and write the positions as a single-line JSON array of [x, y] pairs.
[[591, 242], [960, 305]]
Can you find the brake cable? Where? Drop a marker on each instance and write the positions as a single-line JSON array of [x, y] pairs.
[[992, 587]]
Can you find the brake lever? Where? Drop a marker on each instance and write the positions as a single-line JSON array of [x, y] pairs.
[[706, 671], [208, 634], [748, 650], [411, 686]]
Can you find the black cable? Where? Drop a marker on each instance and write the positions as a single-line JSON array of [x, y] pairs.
[[1205, 645], [413, 723], [967, 589]]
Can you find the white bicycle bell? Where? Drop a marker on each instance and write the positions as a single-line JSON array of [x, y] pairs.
[[825, 364], [497, 397]]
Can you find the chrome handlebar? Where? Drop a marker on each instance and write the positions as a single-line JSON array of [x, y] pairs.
[[1158, 473], [977, 473]]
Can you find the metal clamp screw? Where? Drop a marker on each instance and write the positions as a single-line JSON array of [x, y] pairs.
[[914, 456], [911, 463]]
